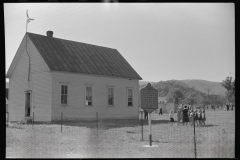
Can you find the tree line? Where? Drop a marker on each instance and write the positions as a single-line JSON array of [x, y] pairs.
[[180, 93], [229, 84]]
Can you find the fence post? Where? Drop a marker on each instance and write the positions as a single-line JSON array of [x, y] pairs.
[[97, 120], [61, 120], [142, 124], [7, 118], [150, 133], [33, 118], [195, 149]]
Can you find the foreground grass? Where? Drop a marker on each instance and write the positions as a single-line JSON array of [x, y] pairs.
[[123, 139]]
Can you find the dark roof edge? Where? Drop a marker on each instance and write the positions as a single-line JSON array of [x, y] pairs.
[[129, 64]]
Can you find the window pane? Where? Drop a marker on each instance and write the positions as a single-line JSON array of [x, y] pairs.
[[129, 92], [129, 103], [110, 101], [62, 99], [130, 97], [110, 96], [65, 90], [89, 91], [90, 98], [65, 99], [110, 91], [62, 89]]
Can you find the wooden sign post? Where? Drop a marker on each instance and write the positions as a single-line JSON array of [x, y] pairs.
[[149, 102]]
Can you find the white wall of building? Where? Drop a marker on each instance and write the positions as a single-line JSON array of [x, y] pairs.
[[40, 84], [76, 107]]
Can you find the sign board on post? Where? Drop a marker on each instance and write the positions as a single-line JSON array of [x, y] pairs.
[[149, 98], [149, 102]]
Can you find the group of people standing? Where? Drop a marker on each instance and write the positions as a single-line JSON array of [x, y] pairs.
[[187, 115], [228, 106]]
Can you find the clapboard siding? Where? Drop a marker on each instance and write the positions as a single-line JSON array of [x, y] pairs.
[[40, 84], [76, 97]]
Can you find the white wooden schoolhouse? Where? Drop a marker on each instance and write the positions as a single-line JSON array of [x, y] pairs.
[[50, 75]]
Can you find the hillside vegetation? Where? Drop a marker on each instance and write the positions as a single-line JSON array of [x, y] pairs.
[[215, 88], [203, 86], [164, 87]]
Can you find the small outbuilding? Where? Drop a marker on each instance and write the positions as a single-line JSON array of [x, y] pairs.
[[171, 106]]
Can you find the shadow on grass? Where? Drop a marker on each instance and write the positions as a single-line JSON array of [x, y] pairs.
[[107, 123], [210, 125]]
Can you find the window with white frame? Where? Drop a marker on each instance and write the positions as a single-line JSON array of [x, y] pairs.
[[130, 97], [110, 96], [89, 96], [64, 94]]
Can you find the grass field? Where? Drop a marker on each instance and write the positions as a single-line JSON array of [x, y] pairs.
[[122, 139]]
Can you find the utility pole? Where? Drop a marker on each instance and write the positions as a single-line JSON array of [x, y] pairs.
[[208, 96], [208, 92]]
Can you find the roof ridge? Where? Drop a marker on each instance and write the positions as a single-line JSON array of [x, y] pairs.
[[74, 41]]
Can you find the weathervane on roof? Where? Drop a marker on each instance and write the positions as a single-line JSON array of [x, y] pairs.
[[28, 20]]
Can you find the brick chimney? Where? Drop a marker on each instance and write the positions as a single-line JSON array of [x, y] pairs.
[[50, 33]]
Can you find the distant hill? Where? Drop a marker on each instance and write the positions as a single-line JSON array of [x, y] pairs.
[[200, 85], [164, 87], [203, 86]]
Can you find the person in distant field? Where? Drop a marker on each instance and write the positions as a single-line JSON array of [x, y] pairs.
[[200, 117], [195, 113], [185, 116], [160, 110], [232, 107], [191, 117], [227, 107], [171, 117], [145, 114], [203, 118], [189, 112], [179, 116]]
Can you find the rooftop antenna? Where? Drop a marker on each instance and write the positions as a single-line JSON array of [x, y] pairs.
[[208, 92], [28, 20]]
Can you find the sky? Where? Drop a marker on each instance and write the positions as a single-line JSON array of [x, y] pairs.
[[161, 41]]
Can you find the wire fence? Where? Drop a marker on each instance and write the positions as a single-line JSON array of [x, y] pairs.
[[97, 137]]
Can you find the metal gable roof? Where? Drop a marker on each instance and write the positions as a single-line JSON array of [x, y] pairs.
[[77, 57]]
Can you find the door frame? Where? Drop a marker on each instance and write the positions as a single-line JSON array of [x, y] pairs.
[[30, 103]]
